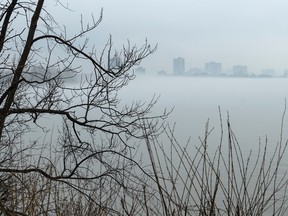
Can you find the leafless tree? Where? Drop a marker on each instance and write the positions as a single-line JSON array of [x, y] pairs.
[[47, 77]]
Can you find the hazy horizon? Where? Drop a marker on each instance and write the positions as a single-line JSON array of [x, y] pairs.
[[252, 33]]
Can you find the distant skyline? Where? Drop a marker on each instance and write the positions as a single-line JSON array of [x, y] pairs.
[[238, 32], [215, 68], [221, 69]]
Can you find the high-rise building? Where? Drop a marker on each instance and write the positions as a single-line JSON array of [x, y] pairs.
[[240, 70], [178, 66], [213, 68], [268, 73]]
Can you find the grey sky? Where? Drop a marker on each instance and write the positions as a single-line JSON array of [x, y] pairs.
[[250, 32]]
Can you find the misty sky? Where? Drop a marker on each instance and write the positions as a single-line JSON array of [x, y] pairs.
[[248, 32]]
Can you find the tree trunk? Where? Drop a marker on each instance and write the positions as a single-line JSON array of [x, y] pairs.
[[17, 75]]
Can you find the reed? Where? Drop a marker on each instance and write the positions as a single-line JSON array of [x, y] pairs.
[[178, 179], [198, 181]]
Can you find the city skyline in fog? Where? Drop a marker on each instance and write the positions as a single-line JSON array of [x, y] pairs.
[[212, 68], [223, 69], [252, 33]]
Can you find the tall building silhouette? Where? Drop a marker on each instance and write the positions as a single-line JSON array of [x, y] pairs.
[[240, 70], [213, 68], [178, 66]]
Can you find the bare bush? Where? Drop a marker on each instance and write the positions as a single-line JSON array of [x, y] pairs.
[[69, 147], [65, 138], [201, 181]]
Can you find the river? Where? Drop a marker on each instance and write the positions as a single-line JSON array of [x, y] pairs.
[[255, 105]]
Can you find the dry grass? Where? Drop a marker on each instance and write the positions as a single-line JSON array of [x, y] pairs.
[[198, 181], [181, 180]]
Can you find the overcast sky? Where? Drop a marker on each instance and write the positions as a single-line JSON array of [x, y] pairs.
[[247, 32]]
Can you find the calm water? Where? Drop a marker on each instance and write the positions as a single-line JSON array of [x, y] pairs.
[[255, 106]]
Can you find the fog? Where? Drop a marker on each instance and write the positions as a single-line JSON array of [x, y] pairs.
[[73, 117], [255, 106], [253, 33]]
